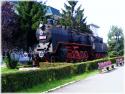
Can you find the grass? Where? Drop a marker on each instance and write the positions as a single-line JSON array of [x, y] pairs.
[[7, 70], [49, 85], [53, 65], [42, 66]]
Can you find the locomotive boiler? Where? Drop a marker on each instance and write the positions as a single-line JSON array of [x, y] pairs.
[[59, 44]]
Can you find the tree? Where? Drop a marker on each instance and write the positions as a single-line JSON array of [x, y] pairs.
[[116, 41], [9, 26], [31, 13], [74, 18]]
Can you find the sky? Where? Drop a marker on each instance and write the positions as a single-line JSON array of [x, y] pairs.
[[103, 13]]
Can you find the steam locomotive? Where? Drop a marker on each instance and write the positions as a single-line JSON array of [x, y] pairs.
[[59, 44]]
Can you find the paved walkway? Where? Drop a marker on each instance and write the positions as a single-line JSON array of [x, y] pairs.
[[111, 82]]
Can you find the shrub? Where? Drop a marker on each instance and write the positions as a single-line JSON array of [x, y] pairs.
[[21, 80], [113, 53], [53, 65], [16, 81], [113, 60], [79, 68], [63, 72], [12, 64], [6, 61], [92, 66]]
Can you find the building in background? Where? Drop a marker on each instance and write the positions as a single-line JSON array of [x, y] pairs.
[[53, 13]]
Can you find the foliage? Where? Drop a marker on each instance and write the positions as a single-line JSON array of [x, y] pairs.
[[7, 70], [13, 82], [56, 83], [9, 26], [11, 64], [30, 78], [80, 68], [31, 13], [53, 65], [74, 18], [113, 53], [116, 41]]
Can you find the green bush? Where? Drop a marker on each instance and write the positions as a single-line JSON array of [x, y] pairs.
[[80, 68], [52, 65], [113, 60], [12, 64], [13, 82], [20, 80], [113, 53], [63, 72], [17, 81], [92, 66], [6, 61]]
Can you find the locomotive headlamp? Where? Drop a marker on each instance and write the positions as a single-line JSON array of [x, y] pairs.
[[40, 25], [40, 32]]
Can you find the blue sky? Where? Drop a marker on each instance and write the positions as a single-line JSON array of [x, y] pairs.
[[103, 13]]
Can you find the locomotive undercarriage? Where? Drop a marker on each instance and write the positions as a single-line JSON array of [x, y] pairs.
[[72, 52], [98, 55]]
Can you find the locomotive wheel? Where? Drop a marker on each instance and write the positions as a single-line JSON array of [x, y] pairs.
[[97, 55], [46, 57], [85, 56], [68, 60]]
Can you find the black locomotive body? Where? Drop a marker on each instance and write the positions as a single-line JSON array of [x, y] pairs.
[[68, 45]]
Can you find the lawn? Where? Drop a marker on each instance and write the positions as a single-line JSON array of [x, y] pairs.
[[42, 66], [7, 70], [53, 65], [49, 85]]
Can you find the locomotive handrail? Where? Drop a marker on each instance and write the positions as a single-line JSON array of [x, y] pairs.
[[66, 43]]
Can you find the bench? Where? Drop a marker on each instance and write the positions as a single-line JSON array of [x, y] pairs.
[[106, 66], [119, 62]]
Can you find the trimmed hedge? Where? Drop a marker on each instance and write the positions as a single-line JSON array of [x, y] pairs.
[[12, 64], [13, 82]]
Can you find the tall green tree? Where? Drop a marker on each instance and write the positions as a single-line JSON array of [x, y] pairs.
[[31, 13], [116, 41], [74, 18]]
